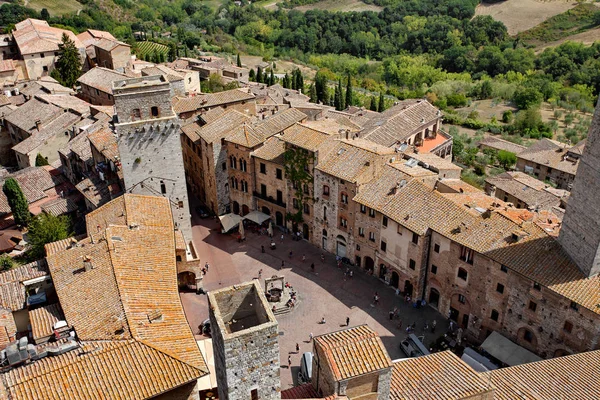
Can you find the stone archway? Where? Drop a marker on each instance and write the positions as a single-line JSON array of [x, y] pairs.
[[395, 279], [186, 280], [236, 207], [434, 298], [305, 231], [408, 288], [278, 219], [266, 210], [245, 210], [341, 246]]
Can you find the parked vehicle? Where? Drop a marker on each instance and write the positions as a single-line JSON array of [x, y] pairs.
[[413, 346], [202, 212], [305, 374]]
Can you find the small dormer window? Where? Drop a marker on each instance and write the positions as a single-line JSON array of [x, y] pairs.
[[154, 112], [136, 114]]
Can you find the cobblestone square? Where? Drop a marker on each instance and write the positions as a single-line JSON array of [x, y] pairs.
[[322, 294]]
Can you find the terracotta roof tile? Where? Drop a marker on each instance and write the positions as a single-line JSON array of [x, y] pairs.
[[306, 391], [500, 144], [436, 376], [272, 150], [33, 182], [188, 104], [551, 154], [571, 377], [42, 320], [105, 142], [126, 369], [525, 188], [218, 129], [12, 291], [398, 122], [26, 116], [304, 137], [59, 126], [349, 158], [101, 78], [36, 36], [352, 352], [60, 206]]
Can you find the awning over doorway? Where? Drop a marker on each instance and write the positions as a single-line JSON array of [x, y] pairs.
[[257, 216], [507, 351], [229, 221]]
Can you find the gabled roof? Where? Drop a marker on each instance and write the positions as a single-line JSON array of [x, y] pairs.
[[36, 36], [400, 121], [105, 142], [125, 369], [244, 135], [59, 126], [171, 74], [188, 104], [571, 377], [272, 150], [525, 188], [352, 352], [12, 291], [218, 129], [42, 320], [67, 102], [278, 122], [129, 288], [304, 137], [26, 115], [437, 376], [551, 154], [101, 78], [109, 44], [349, 158], [33, 182], [501, 144]]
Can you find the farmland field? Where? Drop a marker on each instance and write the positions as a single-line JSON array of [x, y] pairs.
[[521, 15], [55, 7], [150, 48], [340, 5]]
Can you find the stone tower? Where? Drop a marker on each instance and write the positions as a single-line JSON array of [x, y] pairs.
[[580, 232], [245, 343], [150, 145]]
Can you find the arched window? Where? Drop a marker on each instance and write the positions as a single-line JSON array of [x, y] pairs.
[[462, 274], [243, 165], [325, 190], [233, 182], [231, 161], [324, 213], [324, 232], [234, 163]]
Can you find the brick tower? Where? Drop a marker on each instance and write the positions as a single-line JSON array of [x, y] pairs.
[[150, 145], [245, 343], [580, 232]]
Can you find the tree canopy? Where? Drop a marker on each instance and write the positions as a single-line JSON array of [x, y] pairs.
[[19, 205], [44, 229], [68, 65]]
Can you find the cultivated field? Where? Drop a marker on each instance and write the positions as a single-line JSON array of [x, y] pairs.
[[340, 5], [587, 38], [521, 15], [150, 48], [55, 7], [281, 66]]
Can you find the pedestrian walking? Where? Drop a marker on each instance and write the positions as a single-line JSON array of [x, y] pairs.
[[399, 324], [291, 253], [347, 321], [303, 257], [203, 271], [312, 267], [426, 327], [289, 361], [282, 238], [322, 257], [206, 266], [391, 313], [297, 347], [282, 264], [351, 274], [433, 324], [262, 249], [323, 320], [397, 292], [310, 337], [259, 273]]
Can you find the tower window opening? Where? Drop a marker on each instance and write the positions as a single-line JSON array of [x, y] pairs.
[[154, 111], [163, 187]]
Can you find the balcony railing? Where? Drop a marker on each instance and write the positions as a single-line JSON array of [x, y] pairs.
[[270, 199]]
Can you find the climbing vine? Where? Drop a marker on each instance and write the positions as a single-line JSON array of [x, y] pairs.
[[297, 163]]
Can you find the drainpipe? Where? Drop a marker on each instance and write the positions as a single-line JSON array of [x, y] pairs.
[[426, 262]]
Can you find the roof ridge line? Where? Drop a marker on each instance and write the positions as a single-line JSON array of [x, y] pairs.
[[170, 355]]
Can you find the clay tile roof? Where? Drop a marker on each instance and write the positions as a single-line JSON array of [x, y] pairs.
[[101, 78], [109, 44], [306, 391], [171, 74], [352, 352], [304, 137], [244, 135], [12, 291], [500, 144], [348, 159], [435, 162], [63, 123], [436, 376], [571, 377], [218, 129], [551, 154], [272, 150], [25, 116], [33, 182], [125, 369], [105, 142], [184, 105], [67, 102], [525, 188], [36, 36], [212, 114], [398, 122], [42, 320], [277, 123], [60, 206]]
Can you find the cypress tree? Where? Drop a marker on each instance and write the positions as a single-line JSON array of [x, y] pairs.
[[252, 75], [68, 64], [342, 99], [286, 81], [349, 94], [239, 61], [272, 78], [381, 107], [337, 98], [299, 80], [259, 75], [40, 161], [313, 93], [19, 206], [373, 106]]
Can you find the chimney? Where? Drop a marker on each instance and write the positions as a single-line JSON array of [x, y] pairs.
[[87, 263], [38, 125]]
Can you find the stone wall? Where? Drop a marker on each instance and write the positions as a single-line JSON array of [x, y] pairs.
[[95, 96], [241, 154], [273, 184]]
